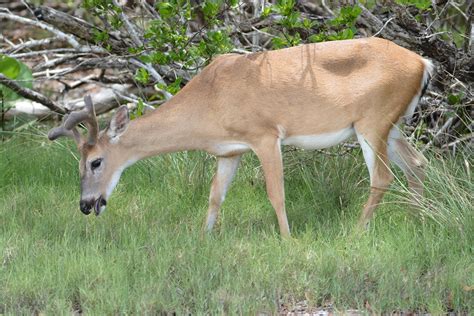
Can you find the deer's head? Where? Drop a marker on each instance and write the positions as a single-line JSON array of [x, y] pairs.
[[102, 161]]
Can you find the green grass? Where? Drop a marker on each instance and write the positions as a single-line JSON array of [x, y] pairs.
[[146, 255]]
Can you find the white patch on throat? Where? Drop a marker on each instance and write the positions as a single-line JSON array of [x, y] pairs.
[[319, 141], [116, 177]]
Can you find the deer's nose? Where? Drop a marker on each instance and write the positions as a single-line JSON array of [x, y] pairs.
[[86, 206]]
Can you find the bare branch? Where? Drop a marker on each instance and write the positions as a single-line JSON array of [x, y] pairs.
[[31, 94], [467, 138], [83, 64], [80, 28], [44, 52], [154, 74], [30, 44], [386, 23], [468, 41], [128, 25], [446, 125], [67, 37], [55, 62]]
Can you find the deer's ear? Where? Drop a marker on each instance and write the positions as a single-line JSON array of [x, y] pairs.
[[119, 123]]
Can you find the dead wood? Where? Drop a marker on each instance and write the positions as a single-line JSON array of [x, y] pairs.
[[79, 28], [31, 94], [71, 59]]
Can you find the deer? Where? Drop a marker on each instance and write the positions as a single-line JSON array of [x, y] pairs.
[[311, 96]]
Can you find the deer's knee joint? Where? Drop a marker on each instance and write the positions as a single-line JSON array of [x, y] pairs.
[[216, 200], [382, 180], [420, 162]]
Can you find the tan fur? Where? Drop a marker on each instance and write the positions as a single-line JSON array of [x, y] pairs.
[[257, 100]]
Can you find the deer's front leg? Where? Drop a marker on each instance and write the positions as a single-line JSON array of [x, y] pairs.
[[226, 169], [269, 154]]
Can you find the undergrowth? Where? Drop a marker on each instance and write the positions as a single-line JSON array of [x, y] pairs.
[[146, 254]]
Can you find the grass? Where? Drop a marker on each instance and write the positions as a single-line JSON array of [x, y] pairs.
[[146, 254]]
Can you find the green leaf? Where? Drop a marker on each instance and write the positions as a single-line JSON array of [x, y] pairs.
[[138, 110], [140, 106], [317, 38], [279, 42], [454, 98], [210, 9], [420, 4], [175, 86], [233, 3], [294, 40], [346, 34], [100, 36], [285, 7], [142, 76], [308, 24], [159, 58], [145, 58], [10, 67], [347, 16], [134, 50], [266, 12], [23, 77], [116, 22], [291, 20], [165, 9]]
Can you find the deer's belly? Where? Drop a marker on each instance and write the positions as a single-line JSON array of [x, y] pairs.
[[319, 141], [229, 149]]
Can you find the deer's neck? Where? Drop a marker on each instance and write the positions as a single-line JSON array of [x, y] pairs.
[[170, 128]]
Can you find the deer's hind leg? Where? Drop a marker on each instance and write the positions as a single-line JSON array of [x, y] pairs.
[[374, 148], [407, 158]]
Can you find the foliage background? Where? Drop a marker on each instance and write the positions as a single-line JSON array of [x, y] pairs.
[[158, 46]]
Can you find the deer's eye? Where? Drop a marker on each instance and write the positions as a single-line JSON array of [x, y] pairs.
[[96, 163]]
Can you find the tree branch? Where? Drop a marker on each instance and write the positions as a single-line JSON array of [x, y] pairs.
[[80, 28], [31, 94], [154, 74], [67, 37], [30, 44], [128, 25]]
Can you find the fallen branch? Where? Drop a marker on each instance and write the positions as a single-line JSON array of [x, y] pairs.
[[129, 26], [386, 23], [79, 28], [408, 32], [31, 94], [44, 52], [154, 74], [67, 37], [446, 125], [30, 44], [467, 138], [85, 64], [55, 62], [108, 98], [77, 61]]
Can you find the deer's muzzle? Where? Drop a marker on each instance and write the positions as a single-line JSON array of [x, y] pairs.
[[86, 206], [98, 205]]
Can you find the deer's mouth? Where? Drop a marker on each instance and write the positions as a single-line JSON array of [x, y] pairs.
[[99, 205]]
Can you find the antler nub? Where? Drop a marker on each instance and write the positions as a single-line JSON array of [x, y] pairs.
[[58, 132], [70, 121]]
